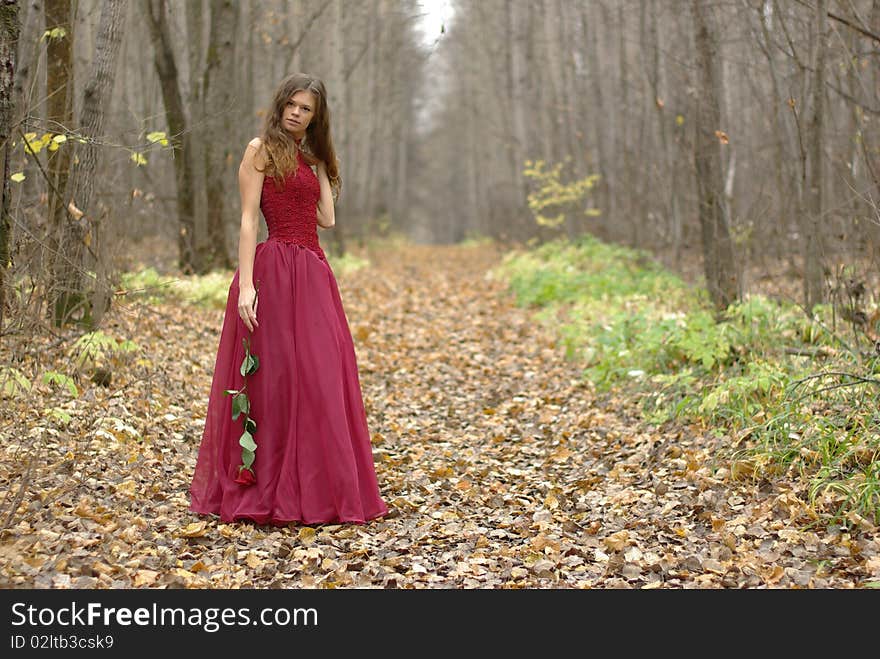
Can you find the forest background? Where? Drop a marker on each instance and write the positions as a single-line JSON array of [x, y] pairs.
[[684, 191]]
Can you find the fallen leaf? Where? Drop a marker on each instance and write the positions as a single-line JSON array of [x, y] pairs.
[[194, 530], [617, 541], [145, 577], [307, 535]]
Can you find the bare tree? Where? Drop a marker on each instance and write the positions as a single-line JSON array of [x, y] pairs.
[[82, 226], [195, 20], [516, 86], [814, 289], [9, 31], [596, 107], [66, 300], [871, 142], [718, 261], [166, 69], [230, 68], [220, 161]]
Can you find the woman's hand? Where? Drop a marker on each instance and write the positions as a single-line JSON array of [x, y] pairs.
[[247, 306]]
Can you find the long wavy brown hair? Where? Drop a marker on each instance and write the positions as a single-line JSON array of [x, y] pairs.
[[280, 147]]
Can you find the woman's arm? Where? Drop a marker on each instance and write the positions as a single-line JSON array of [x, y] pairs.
[[326, 209], [250, 185]]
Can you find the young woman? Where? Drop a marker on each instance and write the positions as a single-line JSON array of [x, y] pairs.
[[285, 437]]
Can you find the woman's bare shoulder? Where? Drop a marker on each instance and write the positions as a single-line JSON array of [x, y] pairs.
[[257, 156]]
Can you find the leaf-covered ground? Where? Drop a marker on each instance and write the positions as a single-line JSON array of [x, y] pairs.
[[501, 467]]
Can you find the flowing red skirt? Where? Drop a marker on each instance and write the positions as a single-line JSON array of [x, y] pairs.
[[314, 462]]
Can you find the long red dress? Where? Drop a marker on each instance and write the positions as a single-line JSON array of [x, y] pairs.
[[314, 462]]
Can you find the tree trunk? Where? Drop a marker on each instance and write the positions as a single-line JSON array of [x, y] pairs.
[[221, 103], [570, 143], [871, 141], [516, 93], [82, 225], [166, 69], [198, 131], [66, 298], [250, 63], [340, 129], [718, 262], [622, 150], [779, 228], [596, 111], [367, 162], [666, 156], [9, 31], [814, 289]]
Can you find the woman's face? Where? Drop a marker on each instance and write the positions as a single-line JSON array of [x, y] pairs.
[[298, 113]]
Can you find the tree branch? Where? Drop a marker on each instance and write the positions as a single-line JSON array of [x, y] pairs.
[[305, 30], [865, 32]]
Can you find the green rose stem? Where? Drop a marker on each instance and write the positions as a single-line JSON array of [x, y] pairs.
[[241, 405]]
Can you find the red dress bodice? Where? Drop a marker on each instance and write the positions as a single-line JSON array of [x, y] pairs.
[[291, 211]]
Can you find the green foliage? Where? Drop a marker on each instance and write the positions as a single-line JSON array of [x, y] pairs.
[[54, 377], [12, 382], [147, 285], [473, 239], [49, 141], [241, 405], [826, 426], [96, 347], [560, 271], [157, 136], [632, 342], [737, 399], [747, 371], [342, 265], [551, 195], [250, 364], [57, 414], [53, 34], [209, 290], [52, 141]]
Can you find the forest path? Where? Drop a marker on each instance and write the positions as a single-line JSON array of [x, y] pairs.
[[507, 471], [499, 465]]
